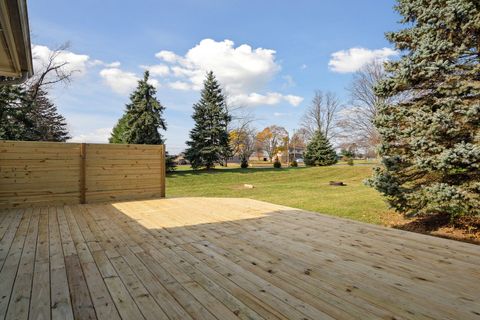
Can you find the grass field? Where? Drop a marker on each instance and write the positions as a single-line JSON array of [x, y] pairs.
[[304, 188]]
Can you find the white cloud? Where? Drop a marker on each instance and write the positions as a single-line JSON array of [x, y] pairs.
[[271, 98], [180, 85], [97, 136], [293, 100], [353, 59], [167, 56], [120, 81], [303, 66], [123, 82], [96, 62], [76, 63], [154, 82], [114, 64], [242, 70], [157, 70]]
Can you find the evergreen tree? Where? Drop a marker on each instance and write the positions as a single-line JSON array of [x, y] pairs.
[[118, 132], [144, 116], [430, 142], [142, 119], [209, 139], [319, 151], [14, 122], [47, 123], [29, 117]]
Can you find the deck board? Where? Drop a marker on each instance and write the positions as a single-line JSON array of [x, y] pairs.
[[213, 258]]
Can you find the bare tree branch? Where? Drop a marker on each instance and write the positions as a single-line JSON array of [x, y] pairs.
[[51, 72], [358, 119], [243, 141], [322, 115], [271, 140]]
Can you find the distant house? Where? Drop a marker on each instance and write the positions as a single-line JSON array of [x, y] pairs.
[[293, 154], [180, 159], [296, 153]]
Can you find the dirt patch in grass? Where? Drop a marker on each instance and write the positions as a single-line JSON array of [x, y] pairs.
[[465, 229]]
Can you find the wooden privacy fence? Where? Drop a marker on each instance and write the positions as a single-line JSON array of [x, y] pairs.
[[41, 173]]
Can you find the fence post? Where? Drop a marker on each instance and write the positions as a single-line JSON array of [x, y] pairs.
[[83, 155], [162, 171]]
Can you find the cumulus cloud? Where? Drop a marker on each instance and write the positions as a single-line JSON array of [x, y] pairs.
[[154, 82], [353, 59], [123, 82], [157, 70], [120, 81], [100, 135], [167, 56], [242, 70], [73, 63]]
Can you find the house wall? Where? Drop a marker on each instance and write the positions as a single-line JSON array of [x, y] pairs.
[[41, 173]]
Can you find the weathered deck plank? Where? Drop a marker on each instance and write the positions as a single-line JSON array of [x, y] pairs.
[[205, 258]]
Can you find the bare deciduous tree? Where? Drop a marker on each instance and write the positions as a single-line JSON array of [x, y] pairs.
[[50, 72], [243, 141], [239, 129], [322, 115], [357, 122]]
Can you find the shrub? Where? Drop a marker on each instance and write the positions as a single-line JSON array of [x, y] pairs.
[[350, 161], [244, 164], [293, 163], [277, 164], [170, 163]]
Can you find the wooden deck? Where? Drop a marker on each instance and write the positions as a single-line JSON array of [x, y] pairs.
[[199, 258]]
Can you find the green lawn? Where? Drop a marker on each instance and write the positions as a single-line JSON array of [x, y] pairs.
[[305, 188]]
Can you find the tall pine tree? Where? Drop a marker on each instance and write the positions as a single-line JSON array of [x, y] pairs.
[[143, 117], [30, 117], [209, 140], [431, 141], [47, 123], [319, 151], [14, 121]]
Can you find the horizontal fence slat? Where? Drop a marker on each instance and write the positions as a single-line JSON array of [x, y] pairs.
[[106, 175], [98, 146], [114, 187], [37, 173]]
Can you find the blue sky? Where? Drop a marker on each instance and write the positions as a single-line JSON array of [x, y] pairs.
[[269, 55]]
